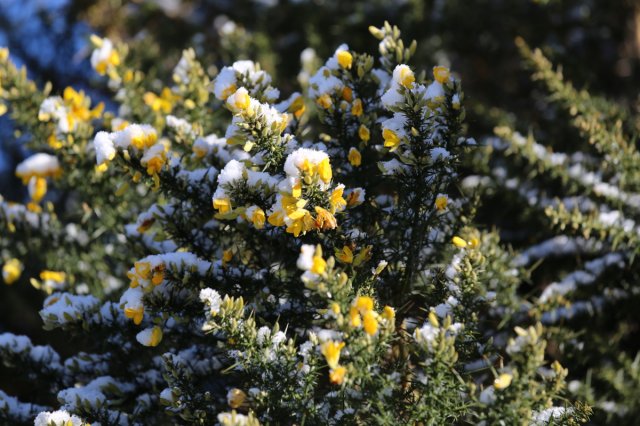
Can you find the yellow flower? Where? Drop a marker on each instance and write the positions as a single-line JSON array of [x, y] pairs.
[[353, 199], [363, 304], [324, 219], [345, 59], [163, 103], [347, 94], [240, 100], [354, 157], [357, 109], [391, 139], [11, 271], [143, 269], [354, 317], [276, 218], [55, 276], [362, 256], [258, 218], [324, 101], [337, 202], [308, 168], [297, 107], [154, 164], [158, 275], [345, 255], [503, 381], [404, 76], [441, 74], [474, 242], [33, 207], [78, 107], [302, 223], [336, 375], [112, 60], [236, 398], [331, 352], [324, 170], [296, 190], [335, 308], [227, 255], [223, 205], [37, 188], [441, 202], [136, 314], [54, 142], [150, 336], [459, 242], [388, 313], [145, 225], [363, 133], [134, 279], [370, 323], [228, 91], [319, 265]]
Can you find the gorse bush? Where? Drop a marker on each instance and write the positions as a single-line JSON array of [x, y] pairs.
[[220, 254]]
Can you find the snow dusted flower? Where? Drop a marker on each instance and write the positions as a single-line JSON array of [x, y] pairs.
[[403, 76], [309, 161], [104, 56], [311, 261], [69, 110], [180, 125], [230, 78], [131, 301], [239, 100], [211, 299], [393, 131], [151, 336], [61, 417], [139, 136], [104, 147], [38, 165], [167, 396], [236, 398]]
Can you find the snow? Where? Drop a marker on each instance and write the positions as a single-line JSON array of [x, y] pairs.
[[40, 164]]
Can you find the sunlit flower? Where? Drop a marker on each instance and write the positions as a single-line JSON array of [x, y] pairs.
[[11, 271], [345, 59], [336, 375], [331, 352], [104, 56], [503, 381]]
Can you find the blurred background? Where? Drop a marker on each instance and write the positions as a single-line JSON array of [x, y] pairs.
[[597, 43]]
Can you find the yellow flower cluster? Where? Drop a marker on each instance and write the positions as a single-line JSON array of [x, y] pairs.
[[68, 112], [309, 203], [163, 103], [144, 276], [362, 314], [142, 138]]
